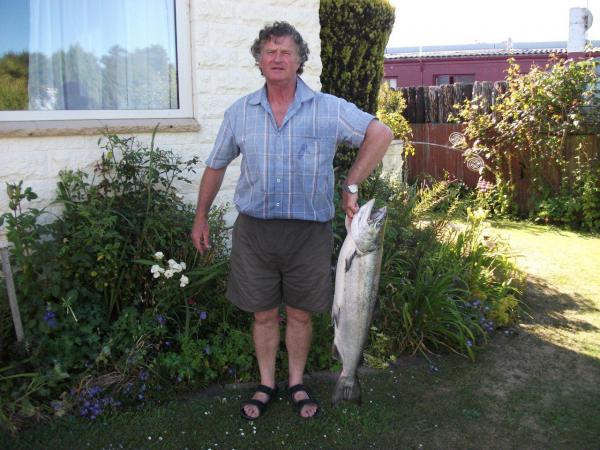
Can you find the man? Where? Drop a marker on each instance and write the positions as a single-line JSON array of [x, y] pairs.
[[282, 239]]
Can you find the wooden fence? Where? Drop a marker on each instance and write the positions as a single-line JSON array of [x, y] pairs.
[[434, 104], [435, 157]]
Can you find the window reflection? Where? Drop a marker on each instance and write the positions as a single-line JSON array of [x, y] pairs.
[[87, 55]]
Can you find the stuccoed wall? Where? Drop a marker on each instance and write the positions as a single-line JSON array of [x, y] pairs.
[[222, 32]]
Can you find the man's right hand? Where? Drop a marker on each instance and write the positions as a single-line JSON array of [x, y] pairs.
[[201, 235]]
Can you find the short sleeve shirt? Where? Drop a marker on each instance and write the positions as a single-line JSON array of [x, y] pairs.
[[287, 170]]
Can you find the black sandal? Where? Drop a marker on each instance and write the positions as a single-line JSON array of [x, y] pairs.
[[262, 406], [299, 404]]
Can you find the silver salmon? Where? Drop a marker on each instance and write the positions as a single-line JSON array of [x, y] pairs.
[[356, 286]]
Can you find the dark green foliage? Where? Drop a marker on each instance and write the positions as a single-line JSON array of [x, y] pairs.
[[354, 34], [88, 304]]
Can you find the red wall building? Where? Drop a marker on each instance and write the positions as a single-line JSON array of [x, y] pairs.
[[451, 64]]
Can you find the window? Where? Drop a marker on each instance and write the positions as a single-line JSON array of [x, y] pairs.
[[85, 59], [451, 79], [392, 83]]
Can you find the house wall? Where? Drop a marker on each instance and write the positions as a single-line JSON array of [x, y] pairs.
[[414, 72], [223, 70]]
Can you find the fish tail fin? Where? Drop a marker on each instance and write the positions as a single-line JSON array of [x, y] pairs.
[[346, 388]]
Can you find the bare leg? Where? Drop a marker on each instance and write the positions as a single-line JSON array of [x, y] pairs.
[[265, 333], [298, 334]]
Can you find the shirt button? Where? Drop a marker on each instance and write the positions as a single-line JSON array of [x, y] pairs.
[[279, 180], [277, 204]]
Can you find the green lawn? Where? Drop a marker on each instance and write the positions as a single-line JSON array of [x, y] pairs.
[[537, 386]]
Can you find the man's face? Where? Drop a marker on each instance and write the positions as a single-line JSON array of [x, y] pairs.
[[279, 59]]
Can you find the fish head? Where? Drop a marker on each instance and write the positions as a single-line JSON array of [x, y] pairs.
[[367, 227]]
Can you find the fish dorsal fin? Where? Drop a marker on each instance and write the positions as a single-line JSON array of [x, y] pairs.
[[349, 260]]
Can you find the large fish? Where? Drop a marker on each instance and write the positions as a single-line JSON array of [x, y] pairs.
[[356, 285]]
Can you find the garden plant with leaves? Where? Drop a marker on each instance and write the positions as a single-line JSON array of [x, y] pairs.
[[540, 145]]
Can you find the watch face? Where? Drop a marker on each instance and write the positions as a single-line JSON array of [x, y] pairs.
[[352, 188]]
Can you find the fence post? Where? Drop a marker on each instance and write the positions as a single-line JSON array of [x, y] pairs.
[[12, 294]]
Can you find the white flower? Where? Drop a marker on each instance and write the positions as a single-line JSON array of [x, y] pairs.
[[158, 256], [172, 263], [156, 274], [183, 281], [156, 269], [177, 268], [183, 266], [169, 273]]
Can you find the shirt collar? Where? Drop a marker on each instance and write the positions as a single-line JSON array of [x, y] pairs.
[[303, 93]]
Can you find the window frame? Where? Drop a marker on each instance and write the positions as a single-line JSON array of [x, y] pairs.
[[184, 85], [452, 78]]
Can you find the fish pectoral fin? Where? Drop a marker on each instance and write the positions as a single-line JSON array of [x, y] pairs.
[[335, 316], [336, 353], [349, 260]]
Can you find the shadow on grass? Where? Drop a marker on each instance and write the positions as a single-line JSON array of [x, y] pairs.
[[548, 306]]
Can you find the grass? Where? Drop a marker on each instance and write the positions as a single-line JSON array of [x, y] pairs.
[[536, 386]]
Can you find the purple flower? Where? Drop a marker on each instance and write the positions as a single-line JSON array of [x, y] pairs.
[[161, 319], [469, 343], [207, 349], [203, 315], [50, 318]]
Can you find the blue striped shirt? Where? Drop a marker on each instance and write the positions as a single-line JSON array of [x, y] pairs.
[[287, 171]]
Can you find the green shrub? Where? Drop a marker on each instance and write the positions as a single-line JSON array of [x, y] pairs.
[[354, 34], [390, 105], [441, 288], [535, 133], [88, 301]]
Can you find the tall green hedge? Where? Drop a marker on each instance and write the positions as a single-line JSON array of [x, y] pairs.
[[354, 34]]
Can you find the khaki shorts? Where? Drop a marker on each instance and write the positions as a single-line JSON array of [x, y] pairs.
[[281, 261]]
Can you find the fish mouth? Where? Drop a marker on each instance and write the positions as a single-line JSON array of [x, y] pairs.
[[370, 217], [377, 216]]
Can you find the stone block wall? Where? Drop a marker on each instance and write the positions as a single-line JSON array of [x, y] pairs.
[[223, 70]]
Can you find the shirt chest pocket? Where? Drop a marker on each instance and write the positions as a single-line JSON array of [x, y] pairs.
[[312, 156]]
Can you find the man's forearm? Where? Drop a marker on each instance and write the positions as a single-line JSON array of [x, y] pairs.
[[209, 187], [377, 140]]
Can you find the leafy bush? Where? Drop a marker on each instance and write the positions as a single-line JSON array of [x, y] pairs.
[[535, 132], [88, 302], [390, 106], [441, 288]]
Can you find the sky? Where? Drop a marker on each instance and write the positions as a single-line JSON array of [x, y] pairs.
[[441, 22]]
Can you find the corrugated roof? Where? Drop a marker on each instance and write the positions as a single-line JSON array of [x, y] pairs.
[[466, 53], [472, 50]]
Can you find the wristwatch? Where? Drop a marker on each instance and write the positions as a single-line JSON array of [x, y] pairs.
[[350, 188]]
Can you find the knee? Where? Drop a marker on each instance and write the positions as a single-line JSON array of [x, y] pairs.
[[267, 317], [298, 316]]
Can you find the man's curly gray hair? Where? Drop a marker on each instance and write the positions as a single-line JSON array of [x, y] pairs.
[[279, 29]]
